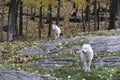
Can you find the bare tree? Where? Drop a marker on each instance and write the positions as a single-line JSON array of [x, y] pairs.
[[113, 10], [106, 14], [12, 19], [83, 20], [40, 20], [20, 18], [87, 12], [95, 16], [27, 9], [58, 13], [118, 14], [49, 19]]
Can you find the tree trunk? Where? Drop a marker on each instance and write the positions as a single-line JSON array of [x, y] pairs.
[[12, 19], [87, 17], [27, 21], [50, 20], [58, 13], [21, 18], [33, 13], [40, 21], [15, 28], [118, 14], [83, 21], [95, 17], [106, 14], [112, 14], [98, 20], [74, 6]]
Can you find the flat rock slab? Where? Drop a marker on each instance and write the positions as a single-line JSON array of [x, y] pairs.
[[21, 75], [53, 61], [113, 61], [106, 43], [44, 48], [98, 43]]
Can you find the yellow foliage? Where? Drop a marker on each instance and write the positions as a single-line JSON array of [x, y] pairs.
[[81, 3], [83, 79], [28, 2], [38, 3]]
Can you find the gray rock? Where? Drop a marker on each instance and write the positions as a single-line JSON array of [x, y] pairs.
[[53, 61], [21, 75], [108, 44], [43, 48], [99, 43], [113, 61]]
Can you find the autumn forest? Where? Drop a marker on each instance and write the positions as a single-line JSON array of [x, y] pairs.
[[33, 18], [29, 49]]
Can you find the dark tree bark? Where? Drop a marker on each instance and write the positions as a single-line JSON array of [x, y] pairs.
[[106, 15], [21, 18], [74, 14], [15, 28], [33, 13], [50, 19], [27, 21], [98, 20], [87, 16], [58, 13], [12, 19], [83, 21], [74, 6], [95, 16], [40, 21], [119, 14], [113, 10]]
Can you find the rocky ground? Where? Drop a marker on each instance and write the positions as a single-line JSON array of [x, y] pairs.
[[102, 41], [21, 75]]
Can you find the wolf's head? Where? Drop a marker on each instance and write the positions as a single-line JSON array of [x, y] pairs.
[[54, 26], [86, 47]]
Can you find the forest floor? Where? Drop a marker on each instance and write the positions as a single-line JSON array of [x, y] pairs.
[[31, 58], [59, 59]]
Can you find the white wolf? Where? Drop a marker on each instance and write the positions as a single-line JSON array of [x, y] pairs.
[[86, 55], [57, 31]]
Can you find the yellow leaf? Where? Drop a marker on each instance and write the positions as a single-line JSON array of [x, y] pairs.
[[111, 75], [1, 65], [83, 79]]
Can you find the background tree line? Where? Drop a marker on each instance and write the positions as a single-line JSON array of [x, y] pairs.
[[88, 13]]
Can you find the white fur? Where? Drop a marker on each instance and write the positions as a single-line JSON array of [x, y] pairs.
[[57, 31], [86, 55]]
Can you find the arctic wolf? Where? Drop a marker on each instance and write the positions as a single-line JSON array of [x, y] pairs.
[[86, 55], [57, 31]]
